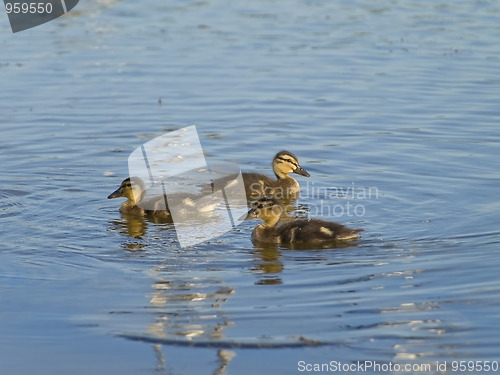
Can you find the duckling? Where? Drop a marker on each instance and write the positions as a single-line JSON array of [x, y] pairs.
[[299, 231], [133, 189], [284, 187], [137, 203]]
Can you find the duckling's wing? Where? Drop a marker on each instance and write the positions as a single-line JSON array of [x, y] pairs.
[[156, 205], [258, 185], [195, 203]]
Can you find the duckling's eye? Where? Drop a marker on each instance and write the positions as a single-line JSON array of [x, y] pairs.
[[128, 185], [290, 161]]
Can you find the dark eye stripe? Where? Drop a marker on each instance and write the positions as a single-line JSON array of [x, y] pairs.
[[265, 205], [296, 165]]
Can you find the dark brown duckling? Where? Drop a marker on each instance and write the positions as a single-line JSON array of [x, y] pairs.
[[299, 231]]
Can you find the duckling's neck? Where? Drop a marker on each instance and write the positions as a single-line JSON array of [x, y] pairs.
[[131, 201], [281, 175], [263, 233], [270, 222], [286, 188]]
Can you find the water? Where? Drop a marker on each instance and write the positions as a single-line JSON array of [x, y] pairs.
[[397, 99]]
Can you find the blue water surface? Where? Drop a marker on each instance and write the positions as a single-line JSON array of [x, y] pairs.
[[392, 107]]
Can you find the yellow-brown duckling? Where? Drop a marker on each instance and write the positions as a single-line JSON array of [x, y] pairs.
[[299, 231], [284, 187], [134, 189], [137, 203]]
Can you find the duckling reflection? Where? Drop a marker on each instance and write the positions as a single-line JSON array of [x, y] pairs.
[[299, 231], [268, 264], [130, 225]]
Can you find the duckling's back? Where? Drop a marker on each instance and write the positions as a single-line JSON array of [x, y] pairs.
[[258, 185], [315, 231]]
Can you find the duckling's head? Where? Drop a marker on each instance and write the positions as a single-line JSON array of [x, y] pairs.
[[268, 209], [131, 188], [285, 163]]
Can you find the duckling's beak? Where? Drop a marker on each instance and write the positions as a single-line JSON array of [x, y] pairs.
[[301, 171], [115, 194]]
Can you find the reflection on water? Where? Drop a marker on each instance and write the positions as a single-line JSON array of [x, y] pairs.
[[183, 309], [268, 264], [380, 312], [136, 226], [188, 308], [131, 225]]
